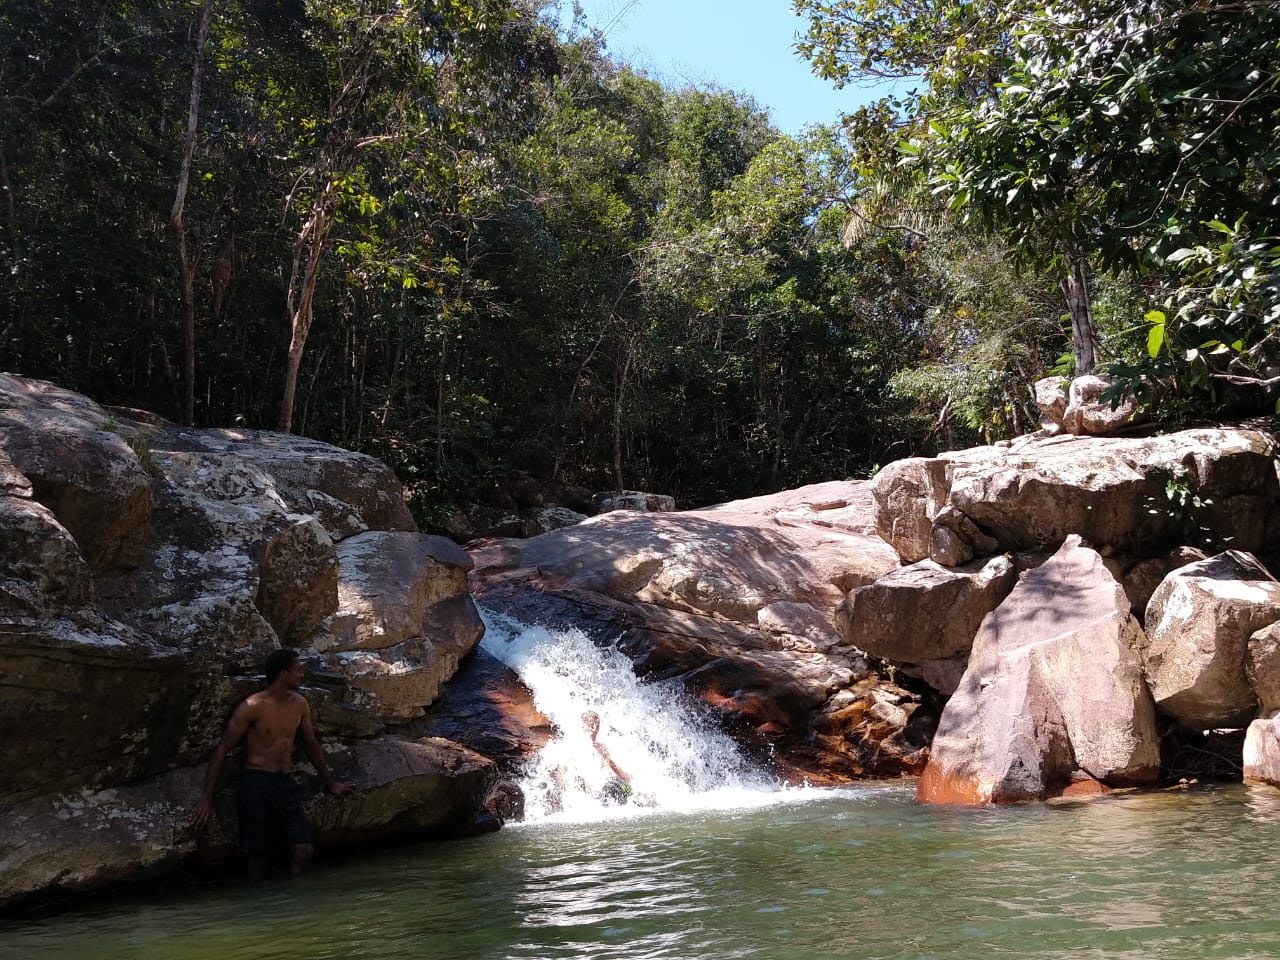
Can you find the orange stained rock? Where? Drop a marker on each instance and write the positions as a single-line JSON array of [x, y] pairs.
[[1085, 788], [940, 786]]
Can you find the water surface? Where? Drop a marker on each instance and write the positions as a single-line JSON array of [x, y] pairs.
[[863, 873]]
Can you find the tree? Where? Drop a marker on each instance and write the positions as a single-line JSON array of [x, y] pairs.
[[1136, 134], [961, 50], [186, 271]]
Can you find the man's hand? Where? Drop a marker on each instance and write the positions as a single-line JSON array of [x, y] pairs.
[[339, 787], [202, 814]]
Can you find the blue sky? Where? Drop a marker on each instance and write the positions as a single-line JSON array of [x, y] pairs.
[[743, 45]]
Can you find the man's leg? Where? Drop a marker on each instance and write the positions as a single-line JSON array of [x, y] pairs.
[[255, 823], [300, 858], [298, 830]]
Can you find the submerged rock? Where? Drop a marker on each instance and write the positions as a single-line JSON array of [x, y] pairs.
[[1054, 686]]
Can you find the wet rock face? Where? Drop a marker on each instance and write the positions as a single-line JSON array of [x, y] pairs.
[[1200, 622], [1054, 686], [487, 708], [737, 602], [145, 572]]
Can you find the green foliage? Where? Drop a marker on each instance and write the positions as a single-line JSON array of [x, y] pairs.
[[1140, 138], [141, 448]]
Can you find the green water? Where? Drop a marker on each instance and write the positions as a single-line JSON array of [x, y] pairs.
[[865, 873]]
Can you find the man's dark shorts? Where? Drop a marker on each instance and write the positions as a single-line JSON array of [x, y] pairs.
[[270, 812]]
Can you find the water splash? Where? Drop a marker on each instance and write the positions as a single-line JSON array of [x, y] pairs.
[[676, 759]]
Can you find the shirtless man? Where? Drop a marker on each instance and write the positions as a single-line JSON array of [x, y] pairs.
[[270, 799], [591, 723], [617, 790]]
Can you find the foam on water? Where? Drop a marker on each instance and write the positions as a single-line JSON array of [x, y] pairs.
[[676, 759]]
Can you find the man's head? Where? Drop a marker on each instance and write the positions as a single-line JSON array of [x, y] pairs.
[[591, 723], [284, 664]]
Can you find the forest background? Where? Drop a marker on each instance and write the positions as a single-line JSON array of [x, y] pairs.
[[464, 239]]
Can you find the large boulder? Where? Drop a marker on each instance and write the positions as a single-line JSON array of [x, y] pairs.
[[347, 491], [145, 572], [1054, 689], [547, 519], [924, 616], [1199, 623], [1133, 495], [1262, 752], [80, 467], [1088, 413], [635, 500], [1051, 395], [404, 619], [1077, 406], [387, 583], [735, 601], [909, 494], [79, 841], [1262, 666], [1140, 577]]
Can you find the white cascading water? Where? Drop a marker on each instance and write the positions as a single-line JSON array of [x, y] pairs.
[[675, 759]]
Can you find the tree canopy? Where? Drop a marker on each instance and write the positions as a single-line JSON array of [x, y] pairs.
[[468, 240]]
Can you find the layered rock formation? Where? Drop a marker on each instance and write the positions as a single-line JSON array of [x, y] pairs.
[[738, 601], [1127, 495], [1068, 642], [145, 571]]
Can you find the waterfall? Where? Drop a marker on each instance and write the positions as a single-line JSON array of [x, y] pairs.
[[675, 757]]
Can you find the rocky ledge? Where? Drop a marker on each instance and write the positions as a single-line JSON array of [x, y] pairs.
[[1060, 588], [1082, 603], [145, 572], [739, 603]]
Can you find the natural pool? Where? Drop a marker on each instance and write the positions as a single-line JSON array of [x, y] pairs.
[[863, 872]]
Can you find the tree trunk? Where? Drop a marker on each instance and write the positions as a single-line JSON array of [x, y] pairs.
[[300, 302], [11, 217], [185, 270], [440, 398], [1084, 339], [617, 413]]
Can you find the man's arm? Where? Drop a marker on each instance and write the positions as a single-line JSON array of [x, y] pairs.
[[311, 746], [236, 728], [617, 770]]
